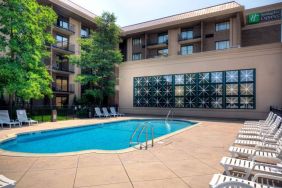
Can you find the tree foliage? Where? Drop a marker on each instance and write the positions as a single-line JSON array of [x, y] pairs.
[[23, 38], [99, 55]]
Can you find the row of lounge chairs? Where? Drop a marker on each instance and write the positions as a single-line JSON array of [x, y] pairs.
[[21, 119], [105, 113], [256, 159]]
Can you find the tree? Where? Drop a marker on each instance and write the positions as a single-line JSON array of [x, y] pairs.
[[99, 55], [23, 45]]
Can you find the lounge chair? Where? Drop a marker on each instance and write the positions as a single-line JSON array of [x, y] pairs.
[[5, 119], [250, 167], [260, 126], [269, 117], [258, 154], [113, 111], [273, 135], [98, 113], [6, 182], [22, 117], [221, 181], [105, 111]]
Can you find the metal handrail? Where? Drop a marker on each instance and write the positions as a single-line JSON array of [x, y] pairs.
[[144, 128], [133, 134]]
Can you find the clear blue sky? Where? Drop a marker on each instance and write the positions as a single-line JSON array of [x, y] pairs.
[[134, 11]]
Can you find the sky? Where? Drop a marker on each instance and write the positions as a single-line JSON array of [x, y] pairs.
[[135, 11]]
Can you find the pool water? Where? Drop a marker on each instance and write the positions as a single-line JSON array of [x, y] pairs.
[[106, 136]]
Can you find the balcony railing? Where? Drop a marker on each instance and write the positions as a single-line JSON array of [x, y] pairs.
[[70, 48], [182, 38], [156, 42], [62, 89], [156, 55], [70, 27], [65, 67]]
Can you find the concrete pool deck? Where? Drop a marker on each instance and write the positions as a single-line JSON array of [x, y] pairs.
[[188, 159]]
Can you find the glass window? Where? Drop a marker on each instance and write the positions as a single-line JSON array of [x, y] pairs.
[[63, 22], [62, 42], [221, 45], [186, 50], [188, 34], [62, 84], [136, 42], [222, 26], [197, 90], [136, 56], [163, 52], [61, 101], [162, 38], [84, 32]]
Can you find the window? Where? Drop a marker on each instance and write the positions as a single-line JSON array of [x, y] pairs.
[[136, 42], [186, 50], [233, 89], [62, 84], [163, 52], [84, 32], [162, 38], [222, 26], [61, 101], [188, 34], [221, 45], [63, 22], [61, 62], [62, 41], [136, 56]]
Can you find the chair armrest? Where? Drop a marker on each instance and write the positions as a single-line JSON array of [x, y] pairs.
[[267, 176]]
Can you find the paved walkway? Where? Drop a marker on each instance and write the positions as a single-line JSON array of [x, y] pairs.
[[187, 159]]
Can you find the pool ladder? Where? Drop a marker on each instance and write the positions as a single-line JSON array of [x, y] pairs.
[[141, 128], [170, 113]]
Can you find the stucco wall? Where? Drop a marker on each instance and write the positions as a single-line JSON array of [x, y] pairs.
[[266, 59]]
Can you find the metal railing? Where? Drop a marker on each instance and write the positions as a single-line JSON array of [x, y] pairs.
[[66, 67], [70, 27], [141, 128], [152, 42], [61, 88]]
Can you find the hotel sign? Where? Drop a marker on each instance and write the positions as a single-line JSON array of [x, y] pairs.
[[255, 18]]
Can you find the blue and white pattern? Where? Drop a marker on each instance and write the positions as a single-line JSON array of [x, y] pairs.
[[218, 90]]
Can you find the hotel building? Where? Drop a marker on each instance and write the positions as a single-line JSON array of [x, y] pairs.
[[73, 23], [221, 61]]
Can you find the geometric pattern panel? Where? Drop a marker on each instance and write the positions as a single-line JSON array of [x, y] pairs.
[[233, 89]]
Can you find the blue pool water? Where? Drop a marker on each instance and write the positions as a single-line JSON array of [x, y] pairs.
[[106, 136]]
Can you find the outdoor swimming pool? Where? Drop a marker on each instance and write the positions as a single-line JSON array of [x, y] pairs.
[[106, 136]]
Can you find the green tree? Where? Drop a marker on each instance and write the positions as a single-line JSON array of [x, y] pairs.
[[99, 56], [23, 44]]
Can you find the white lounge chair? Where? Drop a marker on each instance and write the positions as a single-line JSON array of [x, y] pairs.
[[6, 182], [5, 119], [105, 111], [270, 114], [260, 126], [22, 117], [218, 180], [257, 154], [98, 113], [250, 167], [113, 111], [273, 138]]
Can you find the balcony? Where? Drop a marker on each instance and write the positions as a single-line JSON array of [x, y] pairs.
[[63, 67], [186, 40], [64, 48], [61, 89], [67, 30], [156, 44], [156, 56]]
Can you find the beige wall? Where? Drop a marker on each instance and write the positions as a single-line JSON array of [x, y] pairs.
[[266, 59]]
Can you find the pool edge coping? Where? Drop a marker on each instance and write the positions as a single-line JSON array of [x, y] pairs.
[[129, 149]]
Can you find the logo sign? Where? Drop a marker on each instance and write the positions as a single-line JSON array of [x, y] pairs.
[[255, 18]]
